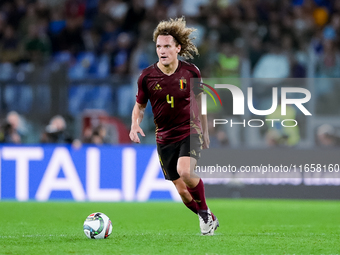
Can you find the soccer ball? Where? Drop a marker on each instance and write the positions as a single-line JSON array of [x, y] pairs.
[[97, 226]]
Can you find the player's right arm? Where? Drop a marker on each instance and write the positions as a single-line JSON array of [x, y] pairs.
[[137, 117], [139, 108]]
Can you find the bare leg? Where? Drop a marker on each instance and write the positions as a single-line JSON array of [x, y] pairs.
[[185, 169], [182, 190], [185, 195]]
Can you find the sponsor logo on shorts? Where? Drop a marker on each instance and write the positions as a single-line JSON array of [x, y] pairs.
[[193, 152]]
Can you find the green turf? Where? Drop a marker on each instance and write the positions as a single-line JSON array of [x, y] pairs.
[[247, 227]]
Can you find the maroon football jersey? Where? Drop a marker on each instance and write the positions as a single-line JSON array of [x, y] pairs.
[[172, 98]]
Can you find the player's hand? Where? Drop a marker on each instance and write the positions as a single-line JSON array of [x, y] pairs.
[[206, 140], [135, 129]]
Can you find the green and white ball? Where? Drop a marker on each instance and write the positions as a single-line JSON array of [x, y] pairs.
[[97, 226]]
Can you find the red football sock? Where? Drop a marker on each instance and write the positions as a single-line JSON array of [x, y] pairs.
[[192, 206], [197, 194]]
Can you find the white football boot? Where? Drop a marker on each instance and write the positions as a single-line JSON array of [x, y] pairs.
[[208, 222]]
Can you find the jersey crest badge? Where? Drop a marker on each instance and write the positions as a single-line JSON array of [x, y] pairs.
[[182, 84]]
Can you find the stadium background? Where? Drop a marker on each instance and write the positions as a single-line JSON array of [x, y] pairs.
[[68, 72]]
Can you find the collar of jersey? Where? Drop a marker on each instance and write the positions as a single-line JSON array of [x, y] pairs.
[[178, 67]]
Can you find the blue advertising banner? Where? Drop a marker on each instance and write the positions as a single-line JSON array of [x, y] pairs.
[[105, 173], [133, 173]]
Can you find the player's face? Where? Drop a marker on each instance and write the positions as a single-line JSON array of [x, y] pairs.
[[167, 50]]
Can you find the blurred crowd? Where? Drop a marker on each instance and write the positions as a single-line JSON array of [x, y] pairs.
[[98, 129], [270, 33], [279, 38]]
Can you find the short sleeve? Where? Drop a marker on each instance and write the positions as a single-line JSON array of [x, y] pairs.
[[142, 93], [197, 88]]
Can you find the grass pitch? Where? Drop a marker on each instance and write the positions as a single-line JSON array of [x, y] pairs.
[[247, 227]]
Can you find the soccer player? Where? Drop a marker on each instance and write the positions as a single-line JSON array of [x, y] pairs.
[[181, 131]]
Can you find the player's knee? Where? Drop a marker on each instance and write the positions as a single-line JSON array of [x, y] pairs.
[[183, 173]]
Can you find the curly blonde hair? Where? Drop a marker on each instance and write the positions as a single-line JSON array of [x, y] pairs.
[[181, 34]]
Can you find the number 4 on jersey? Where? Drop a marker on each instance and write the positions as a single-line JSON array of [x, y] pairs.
[[170, 101]]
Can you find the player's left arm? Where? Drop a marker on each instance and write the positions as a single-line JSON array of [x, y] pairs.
[[204, 122]]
